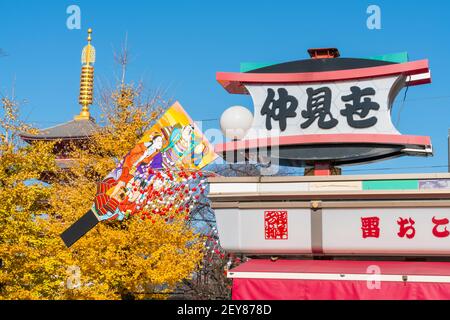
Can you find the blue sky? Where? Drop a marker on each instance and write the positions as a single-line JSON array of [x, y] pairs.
[[180, 45]]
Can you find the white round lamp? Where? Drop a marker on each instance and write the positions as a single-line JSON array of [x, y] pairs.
[[235, 122]]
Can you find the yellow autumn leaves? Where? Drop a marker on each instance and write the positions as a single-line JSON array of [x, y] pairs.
[[130, 259]]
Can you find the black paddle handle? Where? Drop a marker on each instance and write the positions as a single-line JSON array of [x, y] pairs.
[[79, 228]]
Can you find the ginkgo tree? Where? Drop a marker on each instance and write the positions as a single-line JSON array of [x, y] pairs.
[[30, 267], [136, 258]]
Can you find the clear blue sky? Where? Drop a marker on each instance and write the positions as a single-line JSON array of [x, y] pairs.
[[179, 45]]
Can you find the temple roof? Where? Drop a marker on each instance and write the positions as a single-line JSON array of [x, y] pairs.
[[71, 130]]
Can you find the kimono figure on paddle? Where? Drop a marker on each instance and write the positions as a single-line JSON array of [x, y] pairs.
[[116, 193], [143, 170], [184, 149]]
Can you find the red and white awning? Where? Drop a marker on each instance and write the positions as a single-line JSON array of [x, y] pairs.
[[260, 279]]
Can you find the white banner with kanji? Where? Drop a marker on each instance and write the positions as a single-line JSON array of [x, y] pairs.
[[336, 231], [386, 231], [339, 107]]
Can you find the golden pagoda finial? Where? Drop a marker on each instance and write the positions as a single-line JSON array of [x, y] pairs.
[[87, 79], [89, 35]]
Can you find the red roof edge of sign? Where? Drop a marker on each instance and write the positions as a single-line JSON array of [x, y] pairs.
[[234, 82], [308, 139], [343, 267]]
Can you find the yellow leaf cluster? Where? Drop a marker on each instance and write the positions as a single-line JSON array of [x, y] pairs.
[[130, 259]]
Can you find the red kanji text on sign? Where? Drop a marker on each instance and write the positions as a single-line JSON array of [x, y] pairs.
[[370, 227], [406, 228], [276, 225]]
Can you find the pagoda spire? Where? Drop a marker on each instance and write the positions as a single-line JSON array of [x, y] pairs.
[[87, 79]]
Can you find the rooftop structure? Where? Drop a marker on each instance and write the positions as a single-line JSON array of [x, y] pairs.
[[80, 129]]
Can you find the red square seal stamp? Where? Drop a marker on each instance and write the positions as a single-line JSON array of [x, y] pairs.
[[276, 225]]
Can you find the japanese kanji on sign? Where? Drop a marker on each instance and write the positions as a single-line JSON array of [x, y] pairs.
[[321, 114], [347, 100]]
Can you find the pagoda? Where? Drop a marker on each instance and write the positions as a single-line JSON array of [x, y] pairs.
[[77, 131]]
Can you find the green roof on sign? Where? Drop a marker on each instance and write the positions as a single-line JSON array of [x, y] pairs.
[[400, 57], [249, 66]]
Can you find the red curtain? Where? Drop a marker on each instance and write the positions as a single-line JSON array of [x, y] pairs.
[[274, 289]]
